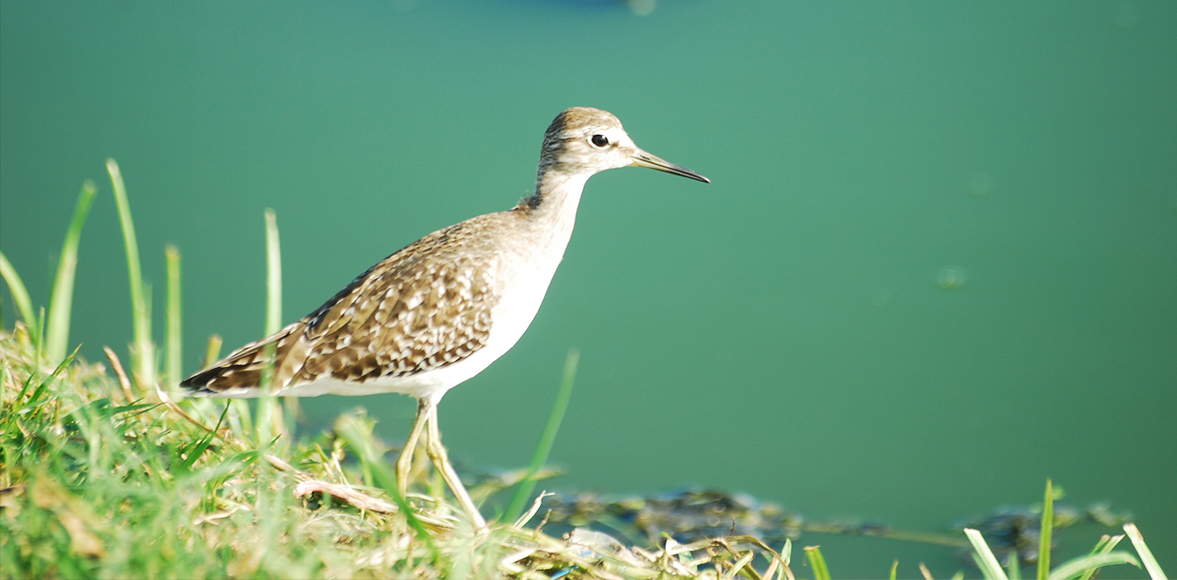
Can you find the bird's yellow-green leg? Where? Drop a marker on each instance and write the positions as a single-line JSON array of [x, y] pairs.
[[441, 460], [404, 463]]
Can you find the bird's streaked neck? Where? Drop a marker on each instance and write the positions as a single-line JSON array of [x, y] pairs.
[[553, 207], [556, 192]]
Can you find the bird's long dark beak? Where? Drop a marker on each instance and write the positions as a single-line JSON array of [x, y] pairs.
[[643, 159]]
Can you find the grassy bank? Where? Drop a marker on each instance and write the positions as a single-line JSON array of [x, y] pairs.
[[101, 479]]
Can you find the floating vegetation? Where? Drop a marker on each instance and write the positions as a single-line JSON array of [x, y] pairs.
[[951, 277], [693, 515], [687, 516]]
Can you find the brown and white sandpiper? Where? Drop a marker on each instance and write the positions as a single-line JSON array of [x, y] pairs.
[[441, 309]]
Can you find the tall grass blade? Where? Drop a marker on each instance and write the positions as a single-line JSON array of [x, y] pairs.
[[39, 341], [926, 573], [1044, 534], [264, 422], [143, 349], [274, 303], [820, 570], [985, 558], [544, 447], [273, 275], [20, 296], [1150, 562], [62, 297], [269, 414], [212, 352], [174, 340]]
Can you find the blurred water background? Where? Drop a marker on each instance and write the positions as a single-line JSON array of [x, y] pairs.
[[937, 264]]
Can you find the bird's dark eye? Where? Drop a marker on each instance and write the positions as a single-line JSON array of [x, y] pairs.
[[600, 140]]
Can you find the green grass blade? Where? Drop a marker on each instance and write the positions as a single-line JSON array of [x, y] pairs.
[[985, 558], [1150, 562], [979, 562], [20, 296], [264, 422], [1088, 564], [1015, 565], [544, 447], [290, 405], [212, 352], [173, 342], [143, 350], [61, 300], [1044, 534], [39, 340], [267, 407], [820, 570], [273, 275], [1104, 545], [198, 447], [1107, 544], [894, 569]]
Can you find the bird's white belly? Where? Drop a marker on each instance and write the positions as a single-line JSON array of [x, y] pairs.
[[524, 287]]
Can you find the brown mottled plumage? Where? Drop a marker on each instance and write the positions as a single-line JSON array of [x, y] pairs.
[[424, 307], [440, 310]]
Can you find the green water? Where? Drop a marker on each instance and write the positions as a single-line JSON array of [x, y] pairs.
[[783, 331]]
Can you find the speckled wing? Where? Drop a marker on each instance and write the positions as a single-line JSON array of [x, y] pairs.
[[423, 308]]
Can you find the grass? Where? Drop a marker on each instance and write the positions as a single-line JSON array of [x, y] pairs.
[[547, 438], [1044, 537], [61, 301], [1083, 567], [104, 475], [143, 349], [99, 484]]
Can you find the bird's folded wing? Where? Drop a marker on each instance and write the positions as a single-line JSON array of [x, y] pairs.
[[415, 311]]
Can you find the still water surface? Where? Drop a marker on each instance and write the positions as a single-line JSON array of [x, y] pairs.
[[937, 264]]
